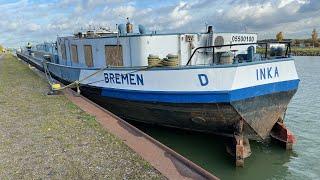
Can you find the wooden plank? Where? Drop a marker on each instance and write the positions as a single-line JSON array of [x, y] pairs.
[[113, 55], [88, 55], [74, 53], [63, 51]]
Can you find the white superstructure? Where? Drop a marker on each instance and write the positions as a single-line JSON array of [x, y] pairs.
[[133, 49]]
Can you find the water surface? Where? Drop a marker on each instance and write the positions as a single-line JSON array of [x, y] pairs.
[[268, 161]]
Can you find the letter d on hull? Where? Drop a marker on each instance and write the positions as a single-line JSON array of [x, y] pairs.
[[203, 78]]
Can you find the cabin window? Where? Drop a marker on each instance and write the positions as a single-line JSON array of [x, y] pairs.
[[88, 55], [74, 53], [63, 51], [113, 55]]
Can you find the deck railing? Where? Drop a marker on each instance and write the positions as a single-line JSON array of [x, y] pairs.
[[288, 48]]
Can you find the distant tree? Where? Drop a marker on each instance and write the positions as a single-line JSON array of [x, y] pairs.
[[279, 36], [1, 48], [294, 42], [314, 37]]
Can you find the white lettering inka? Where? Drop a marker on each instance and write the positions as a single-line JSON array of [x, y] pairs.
[[119, 78], [267, 73]]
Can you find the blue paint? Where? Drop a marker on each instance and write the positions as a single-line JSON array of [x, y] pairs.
[[132, 82], [111, 78], [267, 73], [201, 97], [106, 77], [128, 79], [262, 73], [276, 72], [140, 79], [124, 78], [203, 78], [117, 78]]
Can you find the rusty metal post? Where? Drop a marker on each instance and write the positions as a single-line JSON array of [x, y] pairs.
[[239, 158], [239, 146], [239, 151], [282, 135]]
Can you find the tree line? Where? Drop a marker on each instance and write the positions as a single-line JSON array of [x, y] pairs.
[[1, 48], [312, 42]]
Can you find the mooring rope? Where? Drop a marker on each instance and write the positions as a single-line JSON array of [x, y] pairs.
[[77, 83]]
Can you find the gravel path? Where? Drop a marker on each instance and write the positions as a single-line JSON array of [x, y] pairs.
[[48, 137]]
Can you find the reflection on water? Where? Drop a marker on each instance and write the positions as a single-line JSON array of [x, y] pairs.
[[268, 161], [209, 152]]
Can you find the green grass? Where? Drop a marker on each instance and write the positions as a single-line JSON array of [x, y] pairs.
[[45, 137], [306, 51]]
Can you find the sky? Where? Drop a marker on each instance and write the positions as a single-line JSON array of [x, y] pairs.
[[36, 21]]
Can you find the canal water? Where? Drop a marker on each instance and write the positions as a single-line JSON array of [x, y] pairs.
[[268, 161]]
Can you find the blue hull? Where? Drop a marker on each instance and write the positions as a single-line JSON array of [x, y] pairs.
[[214, 112]]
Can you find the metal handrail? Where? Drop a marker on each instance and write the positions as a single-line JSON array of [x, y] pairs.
[[288, 49]]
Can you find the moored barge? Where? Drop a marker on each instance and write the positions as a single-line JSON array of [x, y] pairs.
[[209, 82]]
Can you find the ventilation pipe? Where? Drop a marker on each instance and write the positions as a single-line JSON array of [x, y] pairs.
[[129, 26], [142, 29], [122, 29]]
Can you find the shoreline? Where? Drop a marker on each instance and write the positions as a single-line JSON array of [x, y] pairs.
[[305, 51], [49, 137], [297, 51]]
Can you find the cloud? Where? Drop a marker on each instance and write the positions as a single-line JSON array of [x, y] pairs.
[[310, 6], [30, 20], [33, 27], [180, 15], [119, 11]]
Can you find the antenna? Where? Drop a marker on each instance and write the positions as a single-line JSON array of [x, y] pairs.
[[245, 29]]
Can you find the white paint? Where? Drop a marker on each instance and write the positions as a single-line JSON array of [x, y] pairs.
[[137, 48], [231, 38], [220, 79]]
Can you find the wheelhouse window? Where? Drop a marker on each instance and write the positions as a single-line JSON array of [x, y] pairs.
[[88, 55], [113, 55], [74, 53], [63, 51]]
